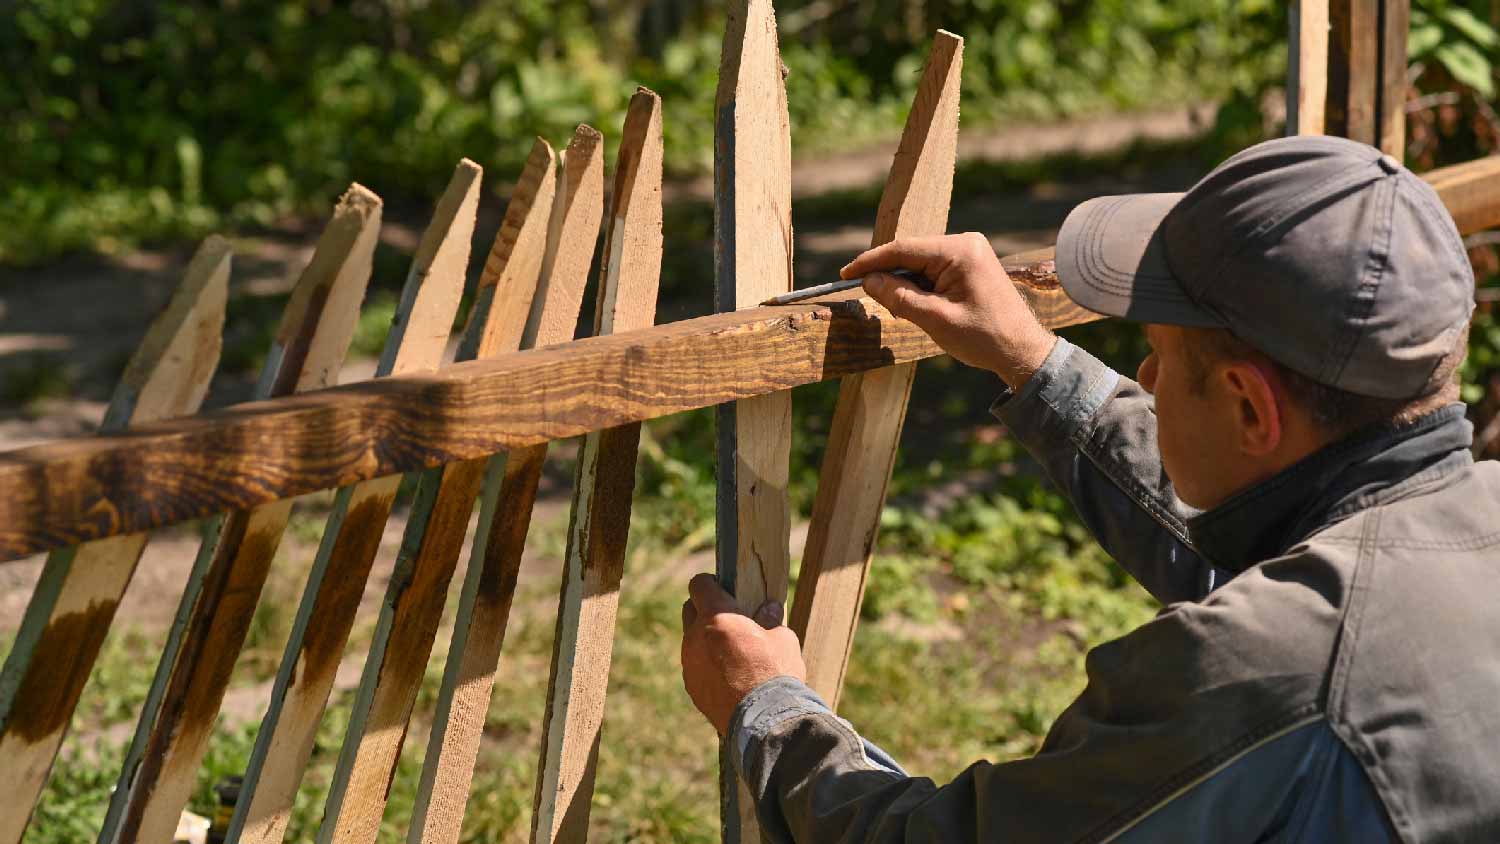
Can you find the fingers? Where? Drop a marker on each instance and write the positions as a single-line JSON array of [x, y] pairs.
[[916, 253], [908, 301], [689, 614], [899, 296], [708, 597]]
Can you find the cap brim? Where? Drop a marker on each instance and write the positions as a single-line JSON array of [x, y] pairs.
[[1110, 260]]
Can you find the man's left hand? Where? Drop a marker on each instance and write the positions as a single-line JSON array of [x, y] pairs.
[[726, 654]]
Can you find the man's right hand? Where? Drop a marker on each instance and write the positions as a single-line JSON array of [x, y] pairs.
[[974, 312]]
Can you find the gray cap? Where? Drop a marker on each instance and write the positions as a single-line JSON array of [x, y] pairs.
[[1321, 252]]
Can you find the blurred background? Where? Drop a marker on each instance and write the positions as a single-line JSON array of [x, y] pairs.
[[130, 130]]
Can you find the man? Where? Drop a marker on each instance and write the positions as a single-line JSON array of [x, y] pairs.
[[1290, 476]]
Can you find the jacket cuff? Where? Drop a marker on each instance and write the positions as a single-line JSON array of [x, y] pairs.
[[769, 705], [1059, 400]]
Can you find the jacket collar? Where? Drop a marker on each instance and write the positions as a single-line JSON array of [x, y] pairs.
[[1367, 468]]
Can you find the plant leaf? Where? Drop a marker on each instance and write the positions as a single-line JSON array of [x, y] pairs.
[[1468, 66], [1476, 30]]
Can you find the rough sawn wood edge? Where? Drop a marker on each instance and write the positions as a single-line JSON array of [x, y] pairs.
[[351, 539], [867, 421], [514, 272], [74, 602], [356, 797], [223, 587], [752, 262], [630, 271]]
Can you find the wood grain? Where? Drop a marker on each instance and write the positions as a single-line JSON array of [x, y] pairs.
[[571, 237], [752, 262], [1307, 64], [413, 343], [1471, 192], [1395, 22], [594, 562], [435, 529], [867, 420], [224, 585], [353, 532], [463, 697], [75, 598], [1353, 69]]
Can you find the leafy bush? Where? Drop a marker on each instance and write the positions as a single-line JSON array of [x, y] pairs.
[[125, 121]]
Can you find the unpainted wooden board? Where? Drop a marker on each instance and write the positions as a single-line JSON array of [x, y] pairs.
[[571, 237], [1471, 191], [75, 598], [351, 539], [1395, 23], [868, 418], [513, 270], [1353, 69], [752, 262], [1307, 58], [458, 719], [219, 601], [435, 529], [605, 481]]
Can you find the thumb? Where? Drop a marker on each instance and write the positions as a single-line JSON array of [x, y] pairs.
[[708, 596], [770, 614]]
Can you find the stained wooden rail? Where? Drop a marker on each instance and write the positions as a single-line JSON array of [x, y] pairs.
[[68, 492]]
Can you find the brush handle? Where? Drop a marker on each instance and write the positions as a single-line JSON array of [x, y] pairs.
[[847, 284]]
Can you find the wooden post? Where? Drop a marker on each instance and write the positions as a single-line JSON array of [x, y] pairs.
[[1366, 63], [458, 722], [872, 405], [440, 513], [1395, 21], [594, 564], [1353, 69], [1307, 67], [752, 261], [351, 539], [218, 603], [79, 589]]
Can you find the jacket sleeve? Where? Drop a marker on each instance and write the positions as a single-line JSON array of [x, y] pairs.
[[1301, 782], [1204, 722], [1094, 432]]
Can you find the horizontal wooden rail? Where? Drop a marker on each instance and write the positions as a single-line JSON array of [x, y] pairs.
[[72, 491], [67, 492], [1471, 191]]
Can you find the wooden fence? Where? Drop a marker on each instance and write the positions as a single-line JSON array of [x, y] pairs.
[[480, 428]]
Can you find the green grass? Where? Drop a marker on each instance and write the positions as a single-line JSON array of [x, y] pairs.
[[975, 629]]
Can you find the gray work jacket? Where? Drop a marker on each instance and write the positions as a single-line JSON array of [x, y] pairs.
[[1326, 668]]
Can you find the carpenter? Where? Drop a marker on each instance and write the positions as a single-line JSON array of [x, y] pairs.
[[1289, 473]]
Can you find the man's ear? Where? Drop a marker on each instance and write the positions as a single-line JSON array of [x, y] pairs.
[[1258, 411]]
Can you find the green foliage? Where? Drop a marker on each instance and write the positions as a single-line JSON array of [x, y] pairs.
[[126, 121], [37, 379], [1453, 35]]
